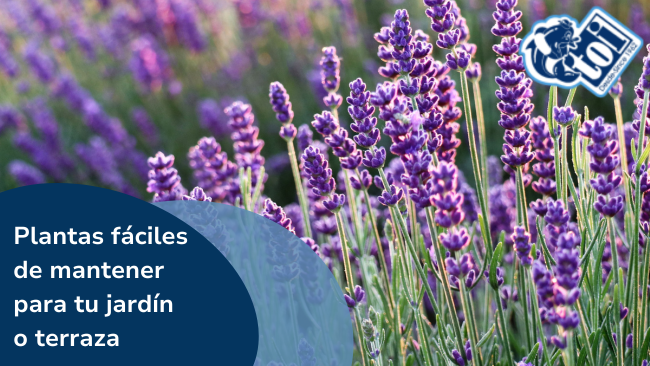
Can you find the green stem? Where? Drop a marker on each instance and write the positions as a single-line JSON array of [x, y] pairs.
[[445, 280], [424, 341], [477, 360], [503, 331], [354, 213], [349, 274], [300, 190], [375, 233], [585, 333], [476, 165], [552, 99], [480, 118], [634, 276], [564, 163], [620, 336], [538, 320], [397, 216], [362, 348]]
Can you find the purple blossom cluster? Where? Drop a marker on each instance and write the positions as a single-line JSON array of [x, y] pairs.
[[321, 181], [604, 161], [149, 64], [452, 31], [25, 173], [545, 166], [327, 123], [246, 144], [276, 214], [514, 87], [213, 172], [330, 65], [283, 111], [164, 181], [448, 202], [558, 291]]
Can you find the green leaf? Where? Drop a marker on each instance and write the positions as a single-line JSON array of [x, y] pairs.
[[645, 153], [633, 147], [410, 360], [486, 336], [594, 240], [645, 345], [583, 358], [532, 355], [496, 260], [502, 236]]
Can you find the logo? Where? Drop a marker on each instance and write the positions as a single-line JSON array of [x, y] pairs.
[[594, 54]]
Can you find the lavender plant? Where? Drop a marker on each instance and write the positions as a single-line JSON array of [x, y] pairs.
[[436, 269]]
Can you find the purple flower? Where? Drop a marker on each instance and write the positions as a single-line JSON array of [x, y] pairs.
[[186, 25], [473, 72], [359, 295], [101, 161], [42, 65], [460, 61], [375, 159], [10, 117], [24, 173], [457, 357], [363, 182], [521, 240], [604, 160], [453, 33], [304, 137], [330, 77], [617, 89], [640, 89], [365, 125], [564, 115], [514, 87], [320, 178], [448, 201], [83, 38], [197, 194], [391, 196], [44, 17], [212, 117], [280, 103], [559, 294], [246, 144], [544, 153], [325, 123], [145, 125], [213, 171], [149, 64], [276, 214], [7, 62], [164, 181]]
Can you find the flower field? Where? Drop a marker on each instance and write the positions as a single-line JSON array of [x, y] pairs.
[[471, 215]]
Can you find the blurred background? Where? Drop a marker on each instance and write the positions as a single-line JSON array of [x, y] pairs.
[[90, 88]]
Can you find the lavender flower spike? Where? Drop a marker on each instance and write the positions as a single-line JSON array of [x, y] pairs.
[[320, 178], [514, 87], [276, 214], [25, 174], [448, 201], [330, 77], [164, 181], [604, 161], [282, 108]]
